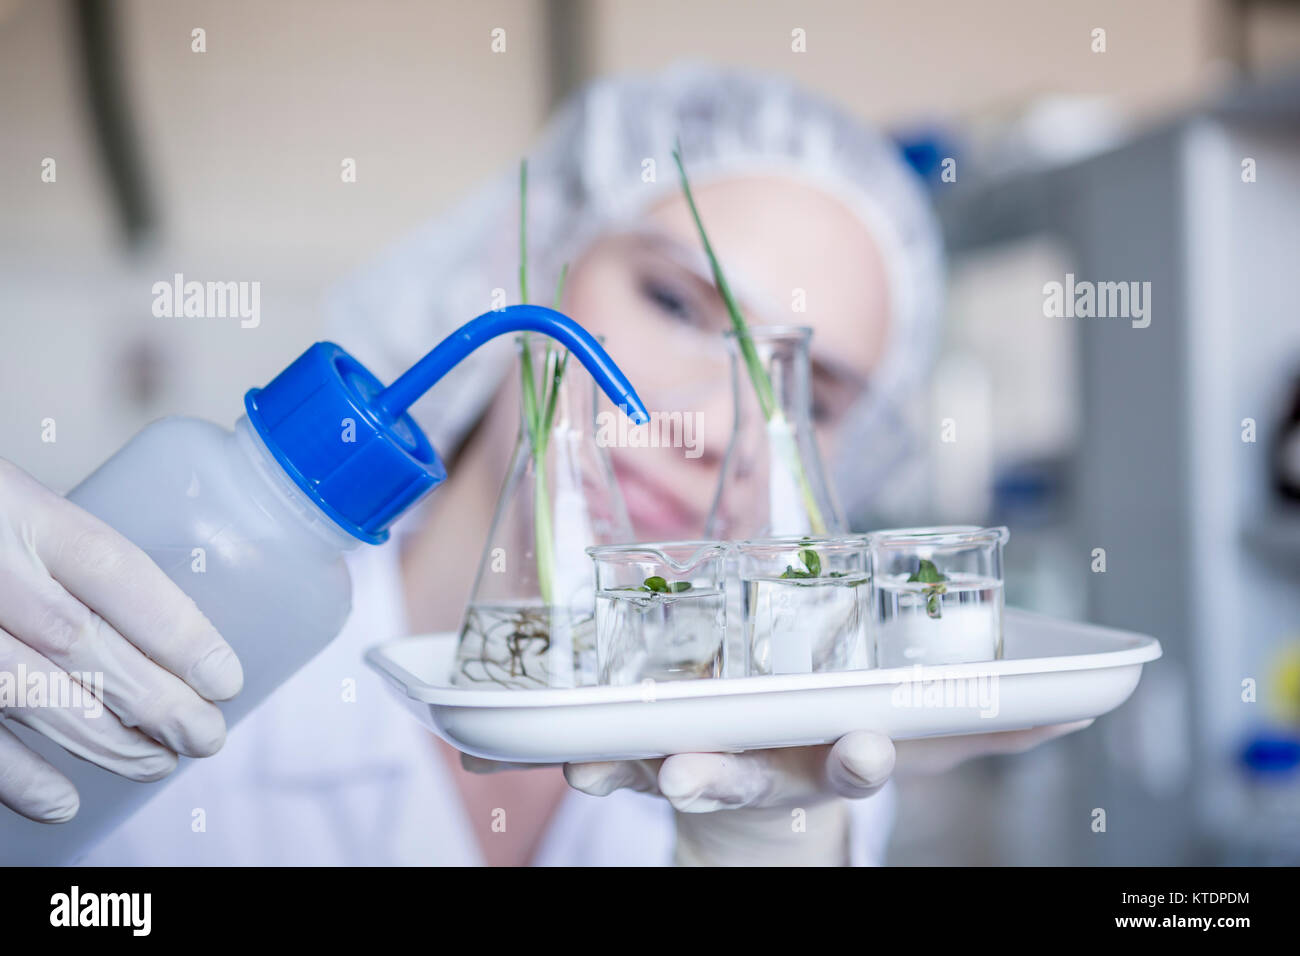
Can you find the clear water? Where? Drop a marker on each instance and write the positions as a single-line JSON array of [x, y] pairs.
[[524, 646], [802, 625], [915, 625], [663, 637], [735, 661]]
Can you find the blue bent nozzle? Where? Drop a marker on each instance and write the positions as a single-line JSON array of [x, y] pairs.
[[348, 442], [451, 351]]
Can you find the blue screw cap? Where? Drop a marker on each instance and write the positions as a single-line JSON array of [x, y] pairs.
[[319, 420]]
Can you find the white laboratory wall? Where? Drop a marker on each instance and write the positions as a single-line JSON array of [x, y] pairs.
[[243, 147], [900, 62]]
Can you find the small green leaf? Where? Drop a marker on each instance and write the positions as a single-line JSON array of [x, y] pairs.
[[927, 573], [656, 584], [812, 565], [680, 586]]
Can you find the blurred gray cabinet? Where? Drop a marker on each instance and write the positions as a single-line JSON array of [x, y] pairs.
[[1162, 480]]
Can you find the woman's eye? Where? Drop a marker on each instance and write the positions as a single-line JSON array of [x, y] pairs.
[[821, 412], [667, 300], [831, 397]]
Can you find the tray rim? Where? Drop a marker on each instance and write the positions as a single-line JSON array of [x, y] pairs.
[[1141, 649]]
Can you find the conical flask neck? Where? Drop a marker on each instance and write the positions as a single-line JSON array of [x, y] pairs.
[[772, 481], [782, 355]]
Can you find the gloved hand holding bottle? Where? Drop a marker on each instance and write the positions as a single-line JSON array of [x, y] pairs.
[[82, 602], [240, 532]]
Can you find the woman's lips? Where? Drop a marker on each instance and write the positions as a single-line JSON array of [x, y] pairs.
[[656, 512]]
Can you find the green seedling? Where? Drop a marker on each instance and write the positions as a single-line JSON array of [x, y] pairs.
[[753, 362], [812, 565], [539, 406], [935, 587], [661, 586], [658, 585]]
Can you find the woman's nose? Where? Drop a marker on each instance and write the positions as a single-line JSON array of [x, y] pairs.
[[705, 412], [714, 424]]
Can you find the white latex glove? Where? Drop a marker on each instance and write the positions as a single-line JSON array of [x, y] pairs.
[[781, 805], [77, 597], [762, 789], [929, 755]]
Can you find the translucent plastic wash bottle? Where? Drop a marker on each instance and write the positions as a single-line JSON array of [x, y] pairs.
[[253, 524]]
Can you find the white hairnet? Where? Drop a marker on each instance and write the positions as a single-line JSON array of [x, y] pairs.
[[585, 178]]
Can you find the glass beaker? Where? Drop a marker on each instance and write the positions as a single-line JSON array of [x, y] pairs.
[[530, 622], [938, 594], [661, 611], [772, 482], [807, 604]]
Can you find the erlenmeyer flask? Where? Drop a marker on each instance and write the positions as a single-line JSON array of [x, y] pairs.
[[530, 621], [772, 482]]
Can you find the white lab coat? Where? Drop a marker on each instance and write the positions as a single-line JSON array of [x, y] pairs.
[[310, 778]]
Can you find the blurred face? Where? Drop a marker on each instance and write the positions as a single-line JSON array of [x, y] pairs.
[[649, 294]]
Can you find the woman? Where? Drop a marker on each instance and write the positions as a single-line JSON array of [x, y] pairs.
[[804, 205], [797, 196]]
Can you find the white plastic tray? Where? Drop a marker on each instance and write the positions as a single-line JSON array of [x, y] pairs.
[[1053, 671]]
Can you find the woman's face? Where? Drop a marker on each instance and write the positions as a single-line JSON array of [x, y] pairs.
[[793, 256]]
